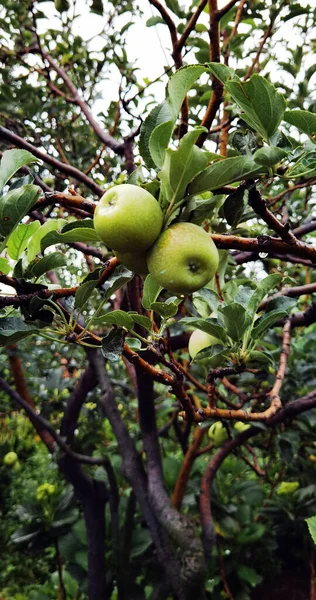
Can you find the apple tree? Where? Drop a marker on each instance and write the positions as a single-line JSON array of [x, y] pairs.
[[127, 225]]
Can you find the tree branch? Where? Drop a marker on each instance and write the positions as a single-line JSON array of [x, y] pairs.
[[290, 410], [43, 424], [106, 138], [15, 139]]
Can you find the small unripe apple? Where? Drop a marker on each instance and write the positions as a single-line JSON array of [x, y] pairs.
[[128, 219], [240, 426], [10, 459], [134, 262], [200, 340], [217, 434], [183, 259], [287, 487]]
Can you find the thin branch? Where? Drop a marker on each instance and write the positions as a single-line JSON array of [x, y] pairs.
[[243, 415], [43, 424], [258, 204], [223, 11], [15, 139], [274, 199], [67, 200], [190, 25], [107, 139], [263, 243], [267, 34], [183, 477], [290, 410], [55, 294], [23, 391], [215, 54], [291, 292]]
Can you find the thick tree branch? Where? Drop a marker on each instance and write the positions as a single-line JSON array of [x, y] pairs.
[[133, 469], [177, 527]]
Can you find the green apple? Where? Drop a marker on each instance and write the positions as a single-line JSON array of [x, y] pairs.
[[128, 219], [200, 340], [135, 262], [10, 459], [217, 434], [183, 259]]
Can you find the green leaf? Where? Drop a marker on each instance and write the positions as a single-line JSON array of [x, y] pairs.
[[133, 343], [72, 232], [311, 524], [120, 277], [266, 322], [269, 155], [158, 126], [174, 6], [78, 224], [159, 141], [141, 541], [220, 71], [210, 326], [151, 292], [236, 320], [141, 320], [83, 293], [258, 359], [249, 575], [281, 303], [4, 266], [304, 120], [168, 308], [244, 142], [179, 84], [267, 284], [13, 329], [262, 104], [112, 345], [19, 238], [34, 246], [224, 172], [181, 165], [158, 115], [120, 318], [97, 7], [15, 205], [234, 207], [304, 167], [40, 266], [12, 161]]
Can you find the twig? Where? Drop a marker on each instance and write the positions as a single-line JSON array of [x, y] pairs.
[[258, 204], [43, 424], [243, 415], [263, 243], [294, 292], [183, 477], [15, 139], [290, 410]]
